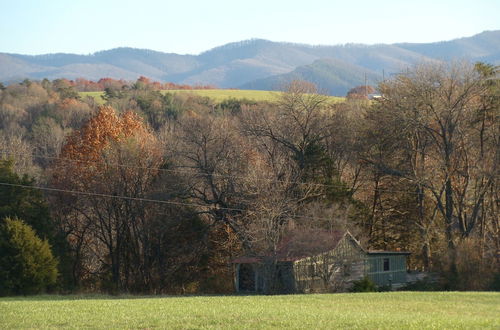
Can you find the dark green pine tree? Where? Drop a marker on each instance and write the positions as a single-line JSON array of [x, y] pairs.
[[24, 203], [27, 265], [18, 200]]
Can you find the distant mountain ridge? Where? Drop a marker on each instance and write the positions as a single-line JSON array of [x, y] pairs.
[[332, 76], [255, 63]]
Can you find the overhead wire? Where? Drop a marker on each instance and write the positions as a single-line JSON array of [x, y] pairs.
[[339, 185], [169, 170], [141, 199]]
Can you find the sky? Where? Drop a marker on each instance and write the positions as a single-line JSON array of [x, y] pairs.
[[191, 27]]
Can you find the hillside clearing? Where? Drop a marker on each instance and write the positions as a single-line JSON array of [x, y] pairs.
[[218, 95], [408, 310]]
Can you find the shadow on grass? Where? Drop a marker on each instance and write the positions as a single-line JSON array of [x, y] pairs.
[[85, 296]]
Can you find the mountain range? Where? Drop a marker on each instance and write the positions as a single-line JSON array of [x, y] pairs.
[[255, 63]]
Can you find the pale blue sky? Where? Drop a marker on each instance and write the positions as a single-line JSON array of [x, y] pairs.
[[190, 27]]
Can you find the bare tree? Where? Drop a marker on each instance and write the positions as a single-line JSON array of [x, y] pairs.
[[299, 124], [429, 117]]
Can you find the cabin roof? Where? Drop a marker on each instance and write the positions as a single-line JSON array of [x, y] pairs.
[[300, 244], [380, 252]]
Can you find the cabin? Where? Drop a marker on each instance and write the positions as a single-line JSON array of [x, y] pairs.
[[374, 96], [318, 261]]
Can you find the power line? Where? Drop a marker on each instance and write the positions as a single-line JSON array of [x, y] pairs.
[[171, 170], [340, 185], [140, 199], [86, 193]]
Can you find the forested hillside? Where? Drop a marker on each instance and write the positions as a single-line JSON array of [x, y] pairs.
[[157, 193]]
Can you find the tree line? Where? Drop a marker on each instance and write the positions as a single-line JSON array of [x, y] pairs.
[[103, 84], [157, 193]]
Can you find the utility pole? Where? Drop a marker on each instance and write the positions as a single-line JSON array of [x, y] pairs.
[[366, 87]]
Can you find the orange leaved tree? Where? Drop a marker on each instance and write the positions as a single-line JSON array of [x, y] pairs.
[[106, 172]]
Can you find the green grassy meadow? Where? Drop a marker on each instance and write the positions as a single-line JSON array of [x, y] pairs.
[[218, 95], [393, 310], [96, 95]]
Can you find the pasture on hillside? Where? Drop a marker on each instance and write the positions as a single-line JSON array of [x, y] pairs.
[[391, 310], [218, 95]]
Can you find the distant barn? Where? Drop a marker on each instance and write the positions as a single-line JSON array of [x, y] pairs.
[[318, 261]]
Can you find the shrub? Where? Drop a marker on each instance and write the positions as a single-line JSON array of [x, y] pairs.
[[495, 283], [422, 285], [471, 270], [27, 265], [384, 288], [364, 285]]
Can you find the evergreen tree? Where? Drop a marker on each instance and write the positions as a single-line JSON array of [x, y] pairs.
[[19, 200], [16, 200], [27, 265]]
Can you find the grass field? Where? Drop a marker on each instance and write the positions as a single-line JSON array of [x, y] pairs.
[[394, 310], [96, 95], [218, 95]]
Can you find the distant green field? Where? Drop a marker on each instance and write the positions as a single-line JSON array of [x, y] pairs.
[[394, 310], [96, 95], [218, 95]]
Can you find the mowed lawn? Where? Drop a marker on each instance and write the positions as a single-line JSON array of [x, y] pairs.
[[394, 310], [219, 95]]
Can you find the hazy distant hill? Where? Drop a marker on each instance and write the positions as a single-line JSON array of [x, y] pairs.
[[481, 45], [257, 64], [332, 76]]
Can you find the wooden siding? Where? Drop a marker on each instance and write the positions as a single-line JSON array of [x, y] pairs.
[[330, 271], [333, 270], [396, 273]]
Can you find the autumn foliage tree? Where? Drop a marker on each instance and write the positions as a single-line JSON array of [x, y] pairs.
[[111, 166]]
